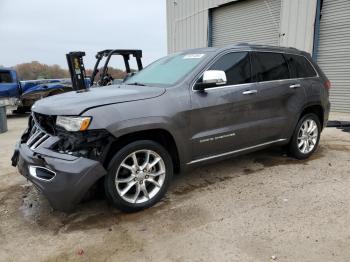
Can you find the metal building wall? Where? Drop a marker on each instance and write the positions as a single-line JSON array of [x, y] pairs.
[[249, 21], [187, 23], [334, 51], [297, 24]]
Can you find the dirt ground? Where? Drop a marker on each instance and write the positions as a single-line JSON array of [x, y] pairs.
[[259, 207]]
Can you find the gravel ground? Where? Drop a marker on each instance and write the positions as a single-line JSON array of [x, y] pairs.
[[259, 207]]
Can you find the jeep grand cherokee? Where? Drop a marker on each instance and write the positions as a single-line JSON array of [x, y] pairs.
[[185, 109]]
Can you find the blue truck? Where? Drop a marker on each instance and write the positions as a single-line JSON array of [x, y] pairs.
[[21, 95]]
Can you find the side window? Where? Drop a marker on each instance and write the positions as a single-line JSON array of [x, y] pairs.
[[236, 66], [300, 66], [269, 66], [5, 77]]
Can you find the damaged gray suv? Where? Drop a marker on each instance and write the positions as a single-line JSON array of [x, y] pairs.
[[186, 109]]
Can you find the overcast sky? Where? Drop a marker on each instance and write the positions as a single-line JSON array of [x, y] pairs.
[[45, 30]]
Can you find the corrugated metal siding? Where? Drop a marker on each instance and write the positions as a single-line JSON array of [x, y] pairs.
[[187, 22], [334, 51], [297, 23], [251, 21]]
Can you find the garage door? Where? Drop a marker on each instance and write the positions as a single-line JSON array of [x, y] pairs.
[[334, 51], [250, 21]]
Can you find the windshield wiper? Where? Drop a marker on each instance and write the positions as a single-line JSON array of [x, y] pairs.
[[136, 84]]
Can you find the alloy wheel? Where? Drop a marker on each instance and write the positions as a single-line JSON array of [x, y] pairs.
[[140, 176], [307, 136]]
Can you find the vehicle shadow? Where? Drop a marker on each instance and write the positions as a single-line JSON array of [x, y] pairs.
[[13, 115], [98, 214]]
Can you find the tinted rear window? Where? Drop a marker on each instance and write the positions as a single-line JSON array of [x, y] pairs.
[[236, 66], [299, 66], [269, 66]]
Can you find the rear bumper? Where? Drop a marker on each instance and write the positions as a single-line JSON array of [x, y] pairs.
[[71, 176]]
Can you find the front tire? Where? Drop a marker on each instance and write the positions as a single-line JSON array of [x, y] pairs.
[[138, 176], [306, 137]]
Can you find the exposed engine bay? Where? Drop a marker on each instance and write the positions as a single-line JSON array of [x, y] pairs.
[[92, 144]]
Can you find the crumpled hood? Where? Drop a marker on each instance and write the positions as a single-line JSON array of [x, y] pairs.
[[74, 103]]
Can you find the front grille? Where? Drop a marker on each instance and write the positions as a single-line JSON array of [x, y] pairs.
[[36, 137], [46, 122]]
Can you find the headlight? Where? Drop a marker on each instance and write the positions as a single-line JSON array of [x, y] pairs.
[[73, 123]]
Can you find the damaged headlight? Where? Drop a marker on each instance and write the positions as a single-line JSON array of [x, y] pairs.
[[73, 123]]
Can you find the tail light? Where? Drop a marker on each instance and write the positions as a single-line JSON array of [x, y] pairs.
[[327, 84]]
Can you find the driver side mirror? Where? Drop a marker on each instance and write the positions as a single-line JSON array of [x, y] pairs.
[[211, 78]]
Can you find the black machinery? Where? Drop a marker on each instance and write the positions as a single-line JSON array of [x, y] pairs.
[[77, 69]]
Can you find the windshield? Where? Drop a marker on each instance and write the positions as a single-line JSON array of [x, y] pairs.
[[167, 70]]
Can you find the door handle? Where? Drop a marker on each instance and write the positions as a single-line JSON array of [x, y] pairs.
[[249, 92], [294, 86]]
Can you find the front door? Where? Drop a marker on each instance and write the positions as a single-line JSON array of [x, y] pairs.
[[224, 118]]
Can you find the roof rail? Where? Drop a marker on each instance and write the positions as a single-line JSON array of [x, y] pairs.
[[292, 47]]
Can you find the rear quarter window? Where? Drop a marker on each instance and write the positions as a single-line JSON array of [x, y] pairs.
[[269, 66], [300, 67]]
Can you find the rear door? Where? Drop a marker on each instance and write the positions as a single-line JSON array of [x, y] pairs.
[[281, 95], [302, 69]]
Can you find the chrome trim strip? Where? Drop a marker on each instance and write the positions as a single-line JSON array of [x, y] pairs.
[[235, 151], [38, 137], [37, 132], [40, 140], [226, 86], [32, 172], [250, 92], [216, 58]]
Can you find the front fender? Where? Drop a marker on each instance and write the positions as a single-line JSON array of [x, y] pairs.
[[120, 122], [151, 123], [140, 124]]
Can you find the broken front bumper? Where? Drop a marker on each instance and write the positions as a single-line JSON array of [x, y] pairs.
[[62, 178]]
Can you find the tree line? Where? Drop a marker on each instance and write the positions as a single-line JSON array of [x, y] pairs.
[[36, 70]]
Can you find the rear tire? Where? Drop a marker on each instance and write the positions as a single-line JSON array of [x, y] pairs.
[[138, 176], [306, 137]]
